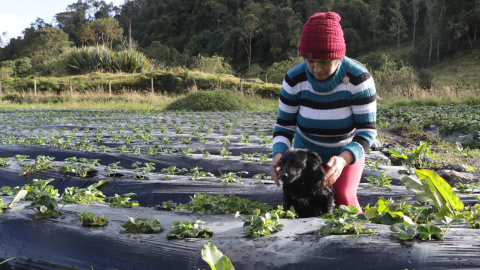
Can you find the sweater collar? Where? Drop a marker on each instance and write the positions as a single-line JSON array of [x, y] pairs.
[[329, 84]]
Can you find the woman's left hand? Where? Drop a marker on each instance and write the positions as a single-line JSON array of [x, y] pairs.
[[335, 167]]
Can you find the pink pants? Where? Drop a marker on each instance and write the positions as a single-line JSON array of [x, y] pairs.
[[345, 188]]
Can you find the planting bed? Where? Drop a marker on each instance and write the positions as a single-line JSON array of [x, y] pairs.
[[179, 155]]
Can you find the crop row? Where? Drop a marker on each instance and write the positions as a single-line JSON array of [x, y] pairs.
[[447, 118]]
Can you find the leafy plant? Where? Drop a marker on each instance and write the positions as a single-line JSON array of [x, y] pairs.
[[404, 231], [382, 180], [84, 195], [113, 169], [231, 177], [211, 204], [167, 206], [76, 169], [466, 188], [89, 219], [257, 226], [173, 170], [142, 225], [189, 229], [433, 187], [21, 157], [345, 222], [4, 162], [424, 231], [143, 172], [42, 163], [2, 205], [417, 158], [45, 206], [196, 174], [122, 201], [38, 188], [215, 258], [224, 153]]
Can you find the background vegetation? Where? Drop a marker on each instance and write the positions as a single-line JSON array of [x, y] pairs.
[[416, 49]]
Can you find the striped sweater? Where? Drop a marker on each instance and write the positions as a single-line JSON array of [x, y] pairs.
[[329, 116]]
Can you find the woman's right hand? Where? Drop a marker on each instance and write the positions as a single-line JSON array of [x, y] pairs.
[[275, 168]]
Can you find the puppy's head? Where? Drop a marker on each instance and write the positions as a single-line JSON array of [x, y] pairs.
[[297, 163]]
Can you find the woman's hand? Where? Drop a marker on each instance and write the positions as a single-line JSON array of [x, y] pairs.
[[275, 167], [335, 167]]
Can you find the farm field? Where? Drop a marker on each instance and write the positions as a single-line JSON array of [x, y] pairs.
[[173, 164]]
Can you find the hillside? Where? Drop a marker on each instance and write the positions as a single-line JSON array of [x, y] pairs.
[[458, 70]]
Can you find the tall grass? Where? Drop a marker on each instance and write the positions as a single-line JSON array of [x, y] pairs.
[[446, 95], [102, 59], [98, 99]]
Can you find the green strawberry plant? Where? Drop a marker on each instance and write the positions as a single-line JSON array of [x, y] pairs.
[[231, 177], [261, 225], [167, 206], [2, 205], [42, 163], [84, 195], [122, 201], [89, 219], [196, 174], [143, 172], [189, 229], [45, 206], [345, 222], [466, 188], [4, 162], [211, 204], [382, 180], [142, 225], [113, 169]]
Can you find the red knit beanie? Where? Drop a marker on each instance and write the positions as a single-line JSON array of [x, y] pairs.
[[322, 37]]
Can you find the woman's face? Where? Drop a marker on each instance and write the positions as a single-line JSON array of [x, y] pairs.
[[322, 69]]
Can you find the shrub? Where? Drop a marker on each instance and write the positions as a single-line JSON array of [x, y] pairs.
[[425, 79], [373, 61], [99, 58], [209, 101], [255, 71], [215, 64], [276, 72], [268, 91]]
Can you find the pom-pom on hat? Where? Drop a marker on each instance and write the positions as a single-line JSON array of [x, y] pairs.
[[322, 37]]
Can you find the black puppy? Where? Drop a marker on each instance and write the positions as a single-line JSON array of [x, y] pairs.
[[303, 176]]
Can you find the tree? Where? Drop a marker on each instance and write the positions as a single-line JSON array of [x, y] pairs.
[[399, 26], [460, 27], [434, 14], [217, 11], [284, 34], [43, 44], [416, 9], [250, 28], [375, 17], [71, 20], [3, 39], [124, 17], [101, 9], [100, 32]]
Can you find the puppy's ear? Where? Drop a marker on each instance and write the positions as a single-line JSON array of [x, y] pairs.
[[314, 160], [315, 163]]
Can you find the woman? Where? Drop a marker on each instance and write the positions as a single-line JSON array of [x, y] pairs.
[[328, 105]]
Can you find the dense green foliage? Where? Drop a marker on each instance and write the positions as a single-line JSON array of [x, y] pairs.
[[253, 35], [209, 101], [99, 58]]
